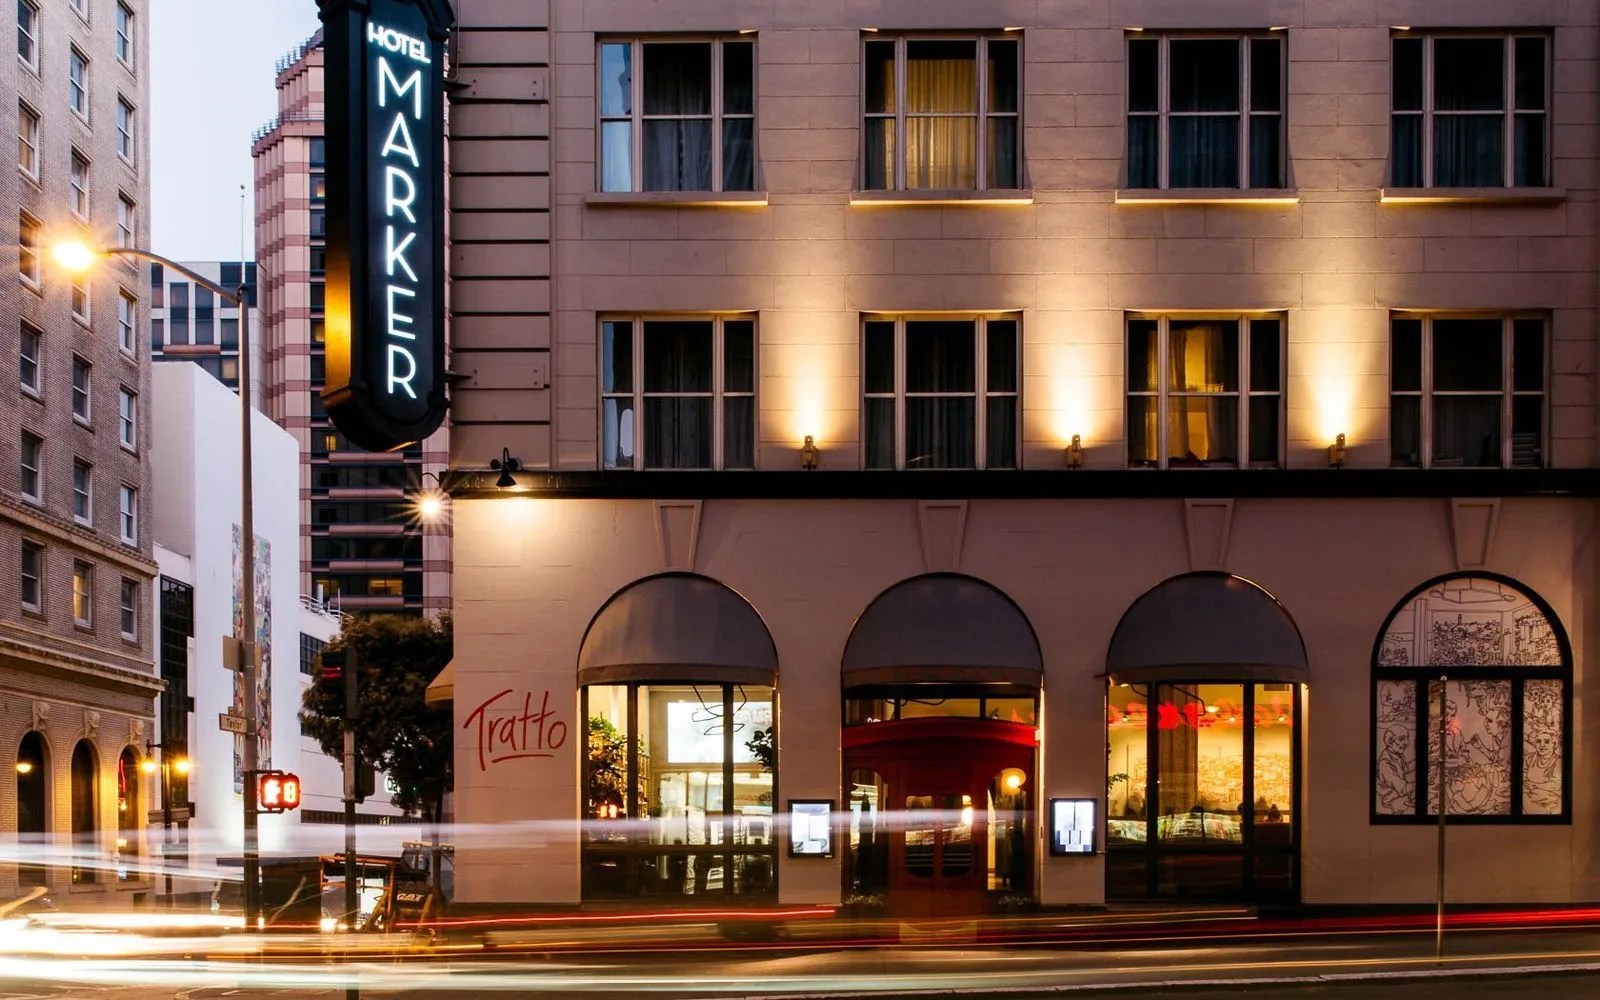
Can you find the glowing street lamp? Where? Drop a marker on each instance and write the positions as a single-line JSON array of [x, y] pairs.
[[77, 257]]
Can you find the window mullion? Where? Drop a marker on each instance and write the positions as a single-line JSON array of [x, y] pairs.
[[637, 330], [636, 117], [1507, 387], [981, 132], [716, 119], [717, 429], [901, 99], [1427, 117], [1508, 126], [1242, 417], [1244, 114], [980, 398], [900, 393], [1161, 393], [1425, 410], [1163, 122]]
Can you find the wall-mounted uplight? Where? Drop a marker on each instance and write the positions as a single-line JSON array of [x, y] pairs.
[[1336, 451], [506, 465], [809, 454], [1075, 452]]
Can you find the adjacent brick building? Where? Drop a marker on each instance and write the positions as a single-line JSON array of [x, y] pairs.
[[77, 664]]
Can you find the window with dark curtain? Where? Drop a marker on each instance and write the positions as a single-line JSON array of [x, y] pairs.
[[691, 134], [1222, 121], [678, 399], [1454, 398], [660, 382], [1469, 111], [933, 389], [677, 116], [738, 116]]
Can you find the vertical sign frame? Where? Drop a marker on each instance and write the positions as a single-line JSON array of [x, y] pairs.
[[384, 64]]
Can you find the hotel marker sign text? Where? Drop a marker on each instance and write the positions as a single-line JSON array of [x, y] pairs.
[[384, 71]]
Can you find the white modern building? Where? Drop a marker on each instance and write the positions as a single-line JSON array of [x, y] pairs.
[[195, 462]]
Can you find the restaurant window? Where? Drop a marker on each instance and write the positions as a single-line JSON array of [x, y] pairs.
[[684, 121], [1205, 392], [1467, 391], [700, 788], [1201, 790], [1470, 111], [941, 114], [678, 393], [940, 393], [1205, 112], [1508, 704]]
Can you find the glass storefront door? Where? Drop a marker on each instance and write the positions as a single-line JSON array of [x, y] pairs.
[[1202, 792]]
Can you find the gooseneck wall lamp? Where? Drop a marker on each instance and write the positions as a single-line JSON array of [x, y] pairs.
[[506, 465]]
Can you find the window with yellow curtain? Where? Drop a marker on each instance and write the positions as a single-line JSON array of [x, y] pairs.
[[1205, 392], [941, 114]]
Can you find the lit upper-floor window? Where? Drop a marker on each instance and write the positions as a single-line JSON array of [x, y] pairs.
[[78, 83], [83, 594], [677, 115], [125, 34], [1467, 391], [1205, 392], [940, 393], [678, 393], [1470, 111], [28, 34], [27, 140], [1205, 112], [941, 114]]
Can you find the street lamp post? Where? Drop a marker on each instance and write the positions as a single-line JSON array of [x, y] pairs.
[[79, 258]]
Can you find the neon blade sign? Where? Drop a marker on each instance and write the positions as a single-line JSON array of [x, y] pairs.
[[385, 283]]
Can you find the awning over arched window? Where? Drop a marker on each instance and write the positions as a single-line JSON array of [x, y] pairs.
[[942, 629], [1207, 627], [677, 627]]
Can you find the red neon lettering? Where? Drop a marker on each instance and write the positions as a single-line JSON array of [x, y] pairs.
[[510, 735]]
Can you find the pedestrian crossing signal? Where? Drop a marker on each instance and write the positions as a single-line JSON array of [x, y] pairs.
[[277, 791]]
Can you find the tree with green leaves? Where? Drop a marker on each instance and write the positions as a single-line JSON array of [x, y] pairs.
[[396, 732]]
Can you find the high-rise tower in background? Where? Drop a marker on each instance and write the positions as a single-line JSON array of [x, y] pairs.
[[363, 545]]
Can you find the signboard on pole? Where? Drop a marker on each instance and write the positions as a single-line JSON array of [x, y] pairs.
[[384, 64], [230, 723]]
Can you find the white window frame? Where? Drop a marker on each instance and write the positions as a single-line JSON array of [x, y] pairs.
[[81, 296], [127, 131], [981, 108], [128, 608], [37, 576], [32, 34], [1508, 392], [980, 385], [86, 393], [83, 493], [78, 185], [127, 225], [125, 35], [80, 7], [127, 321], [28, 125], [128, 514], [35, 387], [83, 594], [128, 418], [37, 469], [1246, 113], [1164, 392], [28, 252], [718, 395], [78, 89], [1508, 109], [637, 117]]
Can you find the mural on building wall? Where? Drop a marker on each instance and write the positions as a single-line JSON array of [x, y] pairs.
[[1469, 622], [263, 639]]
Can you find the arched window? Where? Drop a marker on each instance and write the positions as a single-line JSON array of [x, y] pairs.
[[1508, 699], [33, 780], [129, 804], [85, 792]]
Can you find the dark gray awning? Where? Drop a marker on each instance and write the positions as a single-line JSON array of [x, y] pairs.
[[677, 627], [942, 629], [1207, 627]]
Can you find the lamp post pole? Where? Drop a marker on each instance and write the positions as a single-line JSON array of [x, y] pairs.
[[247, 555]]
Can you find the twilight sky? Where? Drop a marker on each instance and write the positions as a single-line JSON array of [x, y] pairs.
[[211, 72]]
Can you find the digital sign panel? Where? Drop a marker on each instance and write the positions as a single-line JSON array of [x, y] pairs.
[[384, 320]]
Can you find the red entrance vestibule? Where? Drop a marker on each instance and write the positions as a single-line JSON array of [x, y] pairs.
[[939, 813]]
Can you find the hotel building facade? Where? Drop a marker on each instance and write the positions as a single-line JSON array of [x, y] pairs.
[[956, 413]]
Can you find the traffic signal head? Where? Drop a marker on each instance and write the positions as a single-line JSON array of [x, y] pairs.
[[277, 791]]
